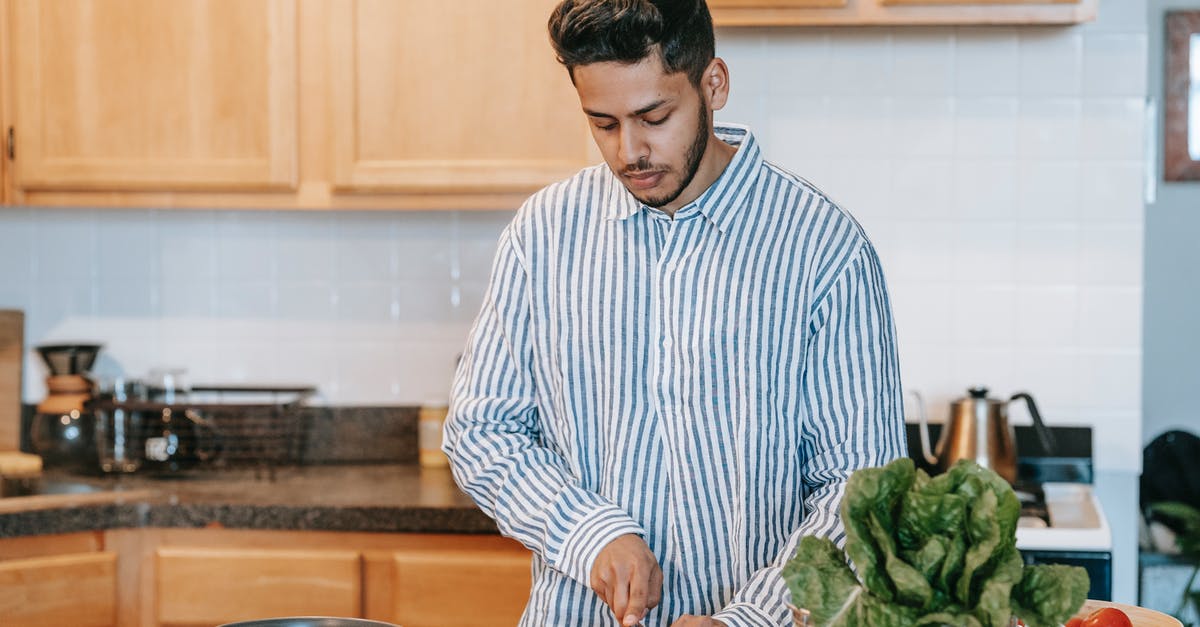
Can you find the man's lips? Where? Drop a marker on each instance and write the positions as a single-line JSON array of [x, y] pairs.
[[645, 180]]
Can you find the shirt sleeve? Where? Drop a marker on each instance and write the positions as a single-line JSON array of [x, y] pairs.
[[493, 436], [851, 386]]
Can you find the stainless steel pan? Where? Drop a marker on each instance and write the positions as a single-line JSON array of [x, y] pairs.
[[310, 621]]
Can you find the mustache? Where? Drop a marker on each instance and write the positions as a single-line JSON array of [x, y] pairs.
[[643, 166]]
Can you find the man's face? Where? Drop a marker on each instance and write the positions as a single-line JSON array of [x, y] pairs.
[[652, 127]]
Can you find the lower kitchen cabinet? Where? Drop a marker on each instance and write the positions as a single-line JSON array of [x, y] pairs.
[[468, 587], [195, 577], [49, 581], [208, 586]]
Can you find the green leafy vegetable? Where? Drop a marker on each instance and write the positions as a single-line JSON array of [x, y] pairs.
[[929, 551], [1049, 594]]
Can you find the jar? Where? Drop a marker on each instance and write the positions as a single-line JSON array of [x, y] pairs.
[[431, 418]]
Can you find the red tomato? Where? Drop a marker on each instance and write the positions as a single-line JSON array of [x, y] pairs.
[[1107, 617], [1074, 622]]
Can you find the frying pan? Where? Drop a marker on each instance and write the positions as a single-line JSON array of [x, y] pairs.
[[310, 621]]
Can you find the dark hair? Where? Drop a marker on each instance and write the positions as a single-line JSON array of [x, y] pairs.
[[627, 31]]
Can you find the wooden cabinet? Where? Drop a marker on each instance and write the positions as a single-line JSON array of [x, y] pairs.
[[476, 586], [193, 577], [354, 104], [899, 12], [462, 97], [206, 586], [47, 581], [127, 95]]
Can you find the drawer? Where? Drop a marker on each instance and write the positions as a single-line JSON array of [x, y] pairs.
[[206, 586]]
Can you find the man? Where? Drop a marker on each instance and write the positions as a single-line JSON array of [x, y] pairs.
[[682, 355]]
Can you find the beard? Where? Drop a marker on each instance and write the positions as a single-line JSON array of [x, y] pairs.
[[691, 163]]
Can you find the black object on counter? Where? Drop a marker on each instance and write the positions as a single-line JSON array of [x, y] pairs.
[[1170, 471]]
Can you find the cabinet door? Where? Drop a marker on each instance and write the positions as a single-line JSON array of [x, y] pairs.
[[431, 96], [78, 590], [152, 95], [208, 586], [469, 587]]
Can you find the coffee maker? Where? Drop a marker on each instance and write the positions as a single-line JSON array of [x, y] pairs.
[[63, 429]]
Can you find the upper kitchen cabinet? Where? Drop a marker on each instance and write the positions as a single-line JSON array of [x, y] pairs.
[[463, 98], [899, 12], [312, 104], [152, 96]]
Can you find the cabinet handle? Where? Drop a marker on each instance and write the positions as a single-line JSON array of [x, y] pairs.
[[12, 145]]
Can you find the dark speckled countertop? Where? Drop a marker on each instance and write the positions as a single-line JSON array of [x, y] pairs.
[[381, 498]]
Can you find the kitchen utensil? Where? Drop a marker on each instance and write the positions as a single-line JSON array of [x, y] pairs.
[[310, 621], [63, 430], [120, 436], [177, 437], [12, 352], [69, 358], [978, 429]]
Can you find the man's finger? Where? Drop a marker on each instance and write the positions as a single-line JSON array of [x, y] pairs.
[[620, 593], [638, 592], [654, 596], [601, 587]]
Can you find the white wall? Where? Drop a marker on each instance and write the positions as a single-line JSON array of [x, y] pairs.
[[998, 169]]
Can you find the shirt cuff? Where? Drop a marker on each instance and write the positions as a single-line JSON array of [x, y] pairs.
[[746, 615], [590, 528]]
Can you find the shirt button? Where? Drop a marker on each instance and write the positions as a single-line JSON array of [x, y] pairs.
[[666, 343]]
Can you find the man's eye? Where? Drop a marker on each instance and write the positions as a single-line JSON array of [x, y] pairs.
[[658, 121], [606, 127]]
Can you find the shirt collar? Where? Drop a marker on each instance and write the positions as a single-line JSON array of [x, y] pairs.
[[722, 201]]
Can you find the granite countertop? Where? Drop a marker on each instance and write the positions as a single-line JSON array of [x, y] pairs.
[[379, 498]]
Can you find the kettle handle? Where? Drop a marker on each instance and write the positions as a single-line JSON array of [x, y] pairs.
[[926, 450], [1047, 438]]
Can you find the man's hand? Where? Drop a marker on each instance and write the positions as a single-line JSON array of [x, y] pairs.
[[687, 620], [627, 577]]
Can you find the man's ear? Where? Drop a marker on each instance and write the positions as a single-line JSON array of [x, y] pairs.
[[714, 84]]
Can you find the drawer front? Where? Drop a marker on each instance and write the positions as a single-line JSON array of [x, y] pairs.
[[206, 586], [77, 589], [465, 588]]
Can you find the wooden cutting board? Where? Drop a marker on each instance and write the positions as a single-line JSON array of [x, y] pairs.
[[12, 351], [1139, 616]]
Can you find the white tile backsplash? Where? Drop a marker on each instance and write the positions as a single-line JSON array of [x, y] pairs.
[[987, 61], [1114, 64], [1051, 61], [922, 127], [986, 127], [1049, 128], [997, 169]]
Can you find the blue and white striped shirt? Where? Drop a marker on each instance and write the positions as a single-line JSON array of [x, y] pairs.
[[708, 381]]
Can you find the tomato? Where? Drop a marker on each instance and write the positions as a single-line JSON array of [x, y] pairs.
[[1074, 622], [1106, 617]]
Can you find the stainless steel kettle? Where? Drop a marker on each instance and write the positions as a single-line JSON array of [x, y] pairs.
[[978, 429]]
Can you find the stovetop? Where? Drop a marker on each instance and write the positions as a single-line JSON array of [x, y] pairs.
[[1061, 517]]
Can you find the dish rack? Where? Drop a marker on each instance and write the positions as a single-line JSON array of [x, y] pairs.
[[258, 425]]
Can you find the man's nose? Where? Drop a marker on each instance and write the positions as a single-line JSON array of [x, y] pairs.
[[633, 147]]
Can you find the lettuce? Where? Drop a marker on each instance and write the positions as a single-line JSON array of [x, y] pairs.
[[929, 551]]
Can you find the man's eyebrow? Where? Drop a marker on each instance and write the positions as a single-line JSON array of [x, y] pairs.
[[646, 109]]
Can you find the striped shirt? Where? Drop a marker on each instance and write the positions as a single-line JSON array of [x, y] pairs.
[[708, 382]]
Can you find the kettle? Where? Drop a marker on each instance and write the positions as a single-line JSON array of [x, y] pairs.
[[978, 429]]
